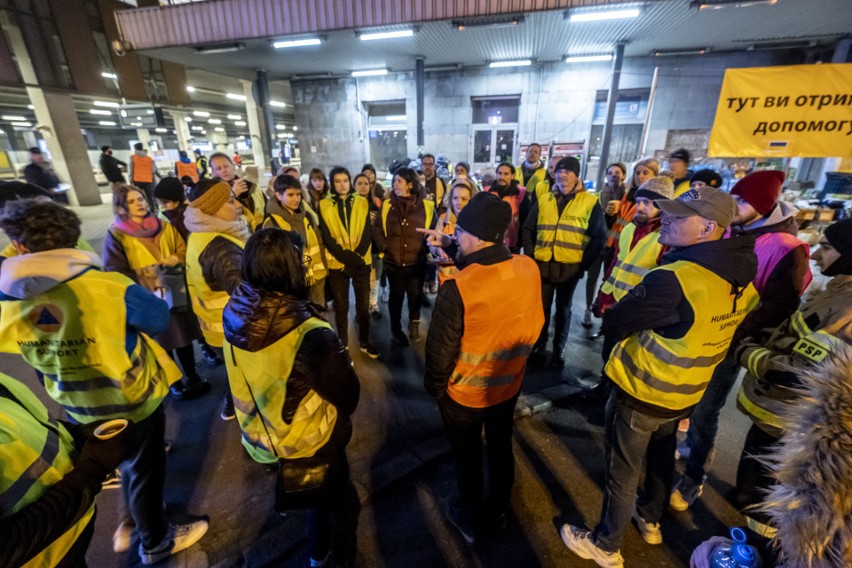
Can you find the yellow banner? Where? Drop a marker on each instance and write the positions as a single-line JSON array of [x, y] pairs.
[[795, 110]]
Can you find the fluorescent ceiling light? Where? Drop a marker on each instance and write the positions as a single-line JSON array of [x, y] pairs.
[[696, 51], [106, 104], [717, 4], [370, 73], [31, 107], [190, 89], [282, 135], [97, 111], [106, 75], [106, 123], [297, 43], [219, 129], [515, 63], [136, 124], [161, 130], [22, 124], [588, 58], [235, 117], [600, 15], [188, 118], [196, 128], [277, 104], [214, 121], [234, 97], [220, 48], [396, 117], [239, 123], [499, 22], [200, 113], [387, 35], [280, 127], [295, 128], [13, 117]]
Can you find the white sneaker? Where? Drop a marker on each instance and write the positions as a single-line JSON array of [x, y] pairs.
[[122, 536], [178, 537], [579, 542], [385, 294], [649, 531]]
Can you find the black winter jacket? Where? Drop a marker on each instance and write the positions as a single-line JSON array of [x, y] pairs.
[[403, 245], [220, 265]]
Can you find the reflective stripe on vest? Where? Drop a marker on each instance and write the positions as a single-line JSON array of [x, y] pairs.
[[138, 255], [143, 168], [496, 342], [206, 302], [673, 373], [75, 334], [182, 169], [624, 216], [316, 269], [35, 453], [632, 267], [254, 217], [563, 238], [267, 372], [348, 237], [764, 402]]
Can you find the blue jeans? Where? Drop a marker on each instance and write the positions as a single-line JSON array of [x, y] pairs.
[[631, 438], [704, 422]]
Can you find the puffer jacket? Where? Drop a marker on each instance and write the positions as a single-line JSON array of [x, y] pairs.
[[255, 319], [401, 243]]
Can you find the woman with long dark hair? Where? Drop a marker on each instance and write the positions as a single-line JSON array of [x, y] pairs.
[[293, 382], [318, 187]]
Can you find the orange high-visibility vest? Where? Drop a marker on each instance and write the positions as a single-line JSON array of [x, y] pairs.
[[143, 168], [497, 340], [182, 169]]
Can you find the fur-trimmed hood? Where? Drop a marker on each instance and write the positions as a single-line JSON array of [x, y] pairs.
[[812, 503]]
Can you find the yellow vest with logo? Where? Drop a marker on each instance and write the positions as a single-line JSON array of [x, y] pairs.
[[267, 372], [254, 217], [563, 238], [316, 268], [75, 334], [535, 179], [674, 373], [633, 264], [206, 302], [138, 255], [348, 237], [765, 402], [35, 454]]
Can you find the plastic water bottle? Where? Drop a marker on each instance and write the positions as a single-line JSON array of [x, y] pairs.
[[738, 554]]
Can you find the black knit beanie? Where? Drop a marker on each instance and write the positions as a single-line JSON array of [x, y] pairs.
[[839, 235], [569, 163], [170, 189], [708, 176], [486, 216]]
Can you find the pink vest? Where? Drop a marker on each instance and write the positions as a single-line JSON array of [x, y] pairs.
[[770, 248]]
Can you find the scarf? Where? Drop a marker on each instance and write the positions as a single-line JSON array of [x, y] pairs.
[[148, 229], [198, 222]]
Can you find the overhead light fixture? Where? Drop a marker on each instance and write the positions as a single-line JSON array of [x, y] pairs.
[[106, 123], [295, 128], [235, 97], [161, 130], [101, 112], [188, 118], [717, 4], [190, 89], [214, 121], [297, 43], [282, 135], [239, 123], [196, 128], [23, 124], [588, 58], [106, 104], [219, 129], [280, 127], [499, 22], [13, 117], [370, 73], [277, 104], [106, 75], [696, 51], [386, 35], [601, 15], [203, 113], [396, 117], [234, 117], [513, 63], [220, 48], [136, 124], [31, 107], [769, 45]]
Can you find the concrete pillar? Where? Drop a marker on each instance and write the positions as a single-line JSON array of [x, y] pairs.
[[58, 124], [419, 81], [184, 136], [610, 113], [254, 128], [267, 127], [144, 136]]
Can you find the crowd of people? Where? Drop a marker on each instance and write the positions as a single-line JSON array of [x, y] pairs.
[[691, 284]]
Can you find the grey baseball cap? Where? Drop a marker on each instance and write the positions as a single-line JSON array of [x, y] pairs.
[[708, 202]]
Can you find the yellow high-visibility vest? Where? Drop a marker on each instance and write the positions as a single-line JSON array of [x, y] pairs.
[[674, 373], [632, 264], [206, 302], [563, 238], [138, 255], [681, 188], [267, 372], [9, 250], [254, 217], [75, 334], [535, 179], [386, 207], [35, 454], [316, 269], [348, 237]]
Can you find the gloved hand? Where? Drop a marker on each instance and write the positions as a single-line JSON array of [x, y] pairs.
[[100, 457], [351, 260]]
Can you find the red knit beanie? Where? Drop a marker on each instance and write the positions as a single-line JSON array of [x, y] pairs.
[[761, 189]]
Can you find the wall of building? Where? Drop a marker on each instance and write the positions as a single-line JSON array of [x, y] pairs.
[[557, 102]]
